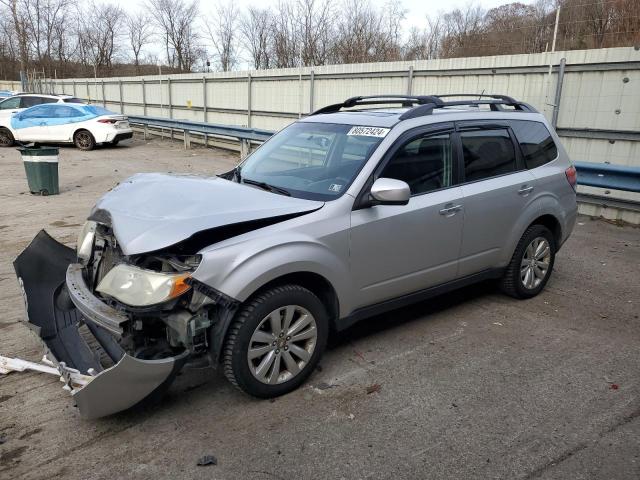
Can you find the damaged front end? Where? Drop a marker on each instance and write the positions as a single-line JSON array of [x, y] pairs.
[[124, 354]]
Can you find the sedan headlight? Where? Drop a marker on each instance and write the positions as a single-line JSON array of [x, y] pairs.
[[140, 288], [84, 246]]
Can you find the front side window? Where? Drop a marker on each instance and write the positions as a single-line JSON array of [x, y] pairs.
[[73, 100], [10, 103], [33, 101], [424, 163], [535, 141], [316, 161], [487, 153]]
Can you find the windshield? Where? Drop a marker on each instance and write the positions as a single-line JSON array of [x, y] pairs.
[[316, 161]]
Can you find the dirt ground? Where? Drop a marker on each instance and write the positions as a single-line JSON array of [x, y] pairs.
[[470, 385]]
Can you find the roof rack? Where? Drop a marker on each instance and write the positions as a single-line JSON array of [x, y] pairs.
[[425, 104]]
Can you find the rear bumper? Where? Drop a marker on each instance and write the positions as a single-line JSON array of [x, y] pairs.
[[58, 314], [116, 135]]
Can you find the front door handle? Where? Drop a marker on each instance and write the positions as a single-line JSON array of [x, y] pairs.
[[43, 124], [450, 210], [525, 190]]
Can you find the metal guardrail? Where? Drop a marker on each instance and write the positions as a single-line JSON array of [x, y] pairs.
[[239, 133], [603, 175]]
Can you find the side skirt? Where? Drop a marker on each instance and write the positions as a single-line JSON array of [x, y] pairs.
[[415, 297]]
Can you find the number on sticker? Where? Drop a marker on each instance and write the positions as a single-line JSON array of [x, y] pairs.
[[368, 131]]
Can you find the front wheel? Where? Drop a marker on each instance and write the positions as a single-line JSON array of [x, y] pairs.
[[6, 138], [275, 341], [84, 140], [531, 264]]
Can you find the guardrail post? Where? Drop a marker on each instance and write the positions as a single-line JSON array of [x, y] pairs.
[[187, 140], [104, 98], [144, 98], [121, 102], [558, 96], [74, 88], [311, 90], [169, 102], [245, 145], [205, 113], [88, 92], [248, 100], [410, 80]]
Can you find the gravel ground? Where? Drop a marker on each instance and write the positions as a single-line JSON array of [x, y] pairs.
[[470, 385]]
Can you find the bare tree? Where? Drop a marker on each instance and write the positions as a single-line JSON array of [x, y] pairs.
[[255, 29], [424, 44], [222, 33], [139, 32], [314, 30], [286, 51], [99, 36], [20, 31], [175, 20]]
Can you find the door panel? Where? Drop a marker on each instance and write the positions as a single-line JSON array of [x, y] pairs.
[[492, 208], [397, 250]]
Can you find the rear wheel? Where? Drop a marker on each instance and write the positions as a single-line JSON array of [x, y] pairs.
[[531, 264], [275, 341], [83, 140], [6, 138]]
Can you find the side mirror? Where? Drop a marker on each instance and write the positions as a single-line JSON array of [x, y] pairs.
[[389, 191]]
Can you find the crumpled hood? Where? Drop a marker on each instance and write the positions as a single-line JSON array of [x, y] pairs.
[[151, 211]]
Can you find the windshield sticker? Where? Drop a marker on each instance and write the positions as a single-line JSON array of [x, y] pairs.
[[369, 131], [335, 187]]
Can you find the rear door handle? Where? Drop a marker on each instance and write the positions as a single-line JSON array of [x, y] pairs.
[[525, 190], [450, 209]]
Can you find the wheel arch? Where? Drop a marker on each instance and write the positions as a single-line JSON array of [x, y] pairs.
[[552, 223]]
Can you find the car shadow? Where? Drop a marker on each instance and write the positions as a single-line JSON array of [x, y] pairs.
[[412, 313]]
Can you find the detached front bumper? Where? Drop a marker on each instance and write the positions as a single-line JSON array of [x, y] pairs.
[[77, 329]]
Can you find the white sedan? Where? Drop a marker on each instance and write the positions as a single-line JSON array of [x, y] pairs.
[[83, 125]]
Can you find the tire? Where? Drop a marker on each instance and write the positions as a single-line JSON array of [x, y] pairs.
[[253, 329], [529, 271], [83, 140], [6, 138]]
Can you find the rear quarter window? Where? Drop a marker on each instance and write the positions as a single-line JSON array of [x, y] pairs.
[[535, 141]]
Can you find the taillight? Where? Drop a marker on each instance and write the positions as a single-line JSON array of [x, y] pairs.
[[572, 176], [107, 120]]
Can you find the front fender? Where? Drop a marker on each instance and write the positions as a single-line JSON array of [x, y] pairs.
[[239, 274]]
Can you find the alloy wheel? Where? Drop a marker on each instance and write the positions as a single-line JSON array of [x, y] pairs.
[[282, 344], [535, 263]]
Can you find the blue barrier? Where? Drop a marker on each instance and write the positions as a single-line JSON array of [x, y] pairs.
[[605, 175]]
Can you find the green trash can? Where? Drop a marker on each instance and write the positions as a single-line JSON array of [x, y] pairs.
[[41, 167]]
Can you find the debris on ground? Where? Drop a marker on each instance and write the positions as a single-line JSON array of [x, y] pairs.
[[614, 386], [3, 438], [207, 460], [373, 388]]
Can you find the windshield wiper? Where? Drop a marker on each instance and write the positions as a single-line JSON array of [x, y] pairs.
[[266, 186]]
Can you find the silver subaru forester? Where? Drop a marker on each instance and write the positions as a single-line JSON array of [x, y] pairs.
[[360, 208]]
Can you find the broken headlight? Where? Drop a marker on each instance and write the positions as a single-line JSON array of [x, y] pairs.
[[140, 288], [84, 246]]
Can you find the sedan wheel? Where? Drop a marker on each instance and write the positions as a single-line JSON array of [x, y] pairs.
[[84, 140], [6, 138]]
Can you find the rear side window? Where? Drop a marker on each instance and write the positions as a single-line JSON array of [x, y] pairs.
[[487, 153], [33, 101], [73, 100], [535, 141]]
